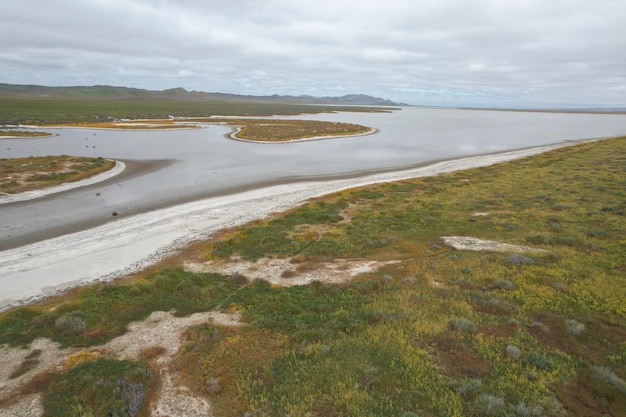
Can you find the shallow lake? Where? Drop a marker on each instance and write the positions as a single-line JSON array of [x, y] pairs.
[[195, 163]]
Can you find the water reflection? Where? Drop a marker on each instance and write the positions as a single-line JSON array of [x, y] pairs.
[[201, 162]]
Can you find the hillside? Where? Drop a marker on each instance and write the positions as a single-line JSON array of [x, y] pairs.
[[37, 105], [102, 92]]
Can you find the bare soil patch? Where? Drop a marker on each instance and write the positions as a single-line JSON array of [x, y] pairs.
[[161, 333], [289, 271], [475, 244]]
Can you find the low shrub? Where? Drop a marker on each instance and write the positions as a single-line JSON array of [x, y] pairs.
[[460, 325], [513, 352], [501, 284], [539, 361], [469, 388], [489, 405], [517, 259], [573, 327], [71, 323], [607, 376]]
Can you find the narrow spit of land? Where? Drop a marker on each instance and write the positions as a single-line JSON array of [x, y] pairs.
[[19, 175], [9, 134]]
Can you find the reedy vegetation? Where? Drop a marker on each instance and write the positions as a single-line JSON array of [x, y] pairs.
[[441, 333]]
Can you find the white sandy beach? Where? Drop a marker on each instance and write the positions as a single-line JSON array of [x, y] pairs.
[[125, 245]]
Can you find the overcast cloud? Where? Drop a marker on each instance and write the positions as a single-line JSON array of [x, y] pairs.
[[551, 53]]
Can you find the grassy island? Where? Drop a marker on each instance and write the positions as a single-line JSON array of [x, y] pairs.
[[260, 130], [271, 130], [23, 134], [418, 322], [26, 174]]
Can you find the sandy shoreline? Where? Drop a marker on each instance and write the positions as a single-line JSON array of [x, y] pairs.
[[127, 245]]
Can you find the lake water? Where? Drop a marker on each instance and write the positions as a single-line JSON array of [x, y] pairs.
[[197, 163]]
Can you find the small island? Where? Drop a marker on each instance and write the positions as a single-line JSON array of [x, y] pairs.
[[246, 129], [285, 130], [18, 175], [22, 134]]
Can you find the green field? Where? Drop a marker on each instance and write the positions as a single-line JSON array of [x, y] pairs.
[[41, 111], [440, 332]]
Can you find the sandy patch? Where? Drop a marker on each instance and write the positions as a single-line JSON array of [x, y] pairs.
[[164, 330], [285, 272], [481, 214], [475, 244], [160, 329], [51, 357]]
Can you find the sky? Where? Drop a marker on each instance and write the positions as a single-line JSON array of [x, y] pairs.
[[482, 53]]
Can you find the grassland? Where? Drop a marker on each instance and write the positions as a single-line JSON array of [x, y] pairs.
[[439, 332], [157, 114], [41, 111], [25, 174]]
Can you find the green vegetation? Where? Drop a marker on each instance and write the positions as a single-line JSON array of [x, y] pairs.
[[285, 130], [24, 174], [98, 313], [442, 332], [23, 133], [41, 111], [143, 124], [108, 107], [104, 112], [268, 130], [103, 387]]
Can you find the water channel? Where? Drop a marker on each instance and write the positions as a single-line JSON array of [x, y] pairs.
[[173, 166]]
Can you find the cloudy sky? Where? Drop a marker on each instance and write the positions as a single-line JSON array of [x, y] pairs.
[[524, 53]]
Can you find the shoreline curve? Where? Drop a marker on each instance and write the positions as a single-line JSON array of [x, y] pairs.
[[233, 136], [128, 245]]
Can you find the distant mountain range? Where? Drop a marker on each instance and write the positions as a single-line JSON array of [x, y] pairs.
[[105, 92]]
